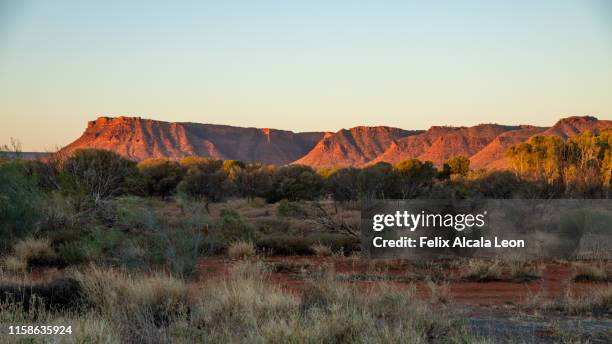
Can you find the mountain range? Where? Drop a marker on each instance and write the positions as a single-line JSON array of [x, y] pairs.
[[485, 144]]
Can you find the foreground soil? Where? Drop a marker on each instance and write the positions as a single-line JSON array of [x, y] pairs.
[[492, 309], [294, 271]]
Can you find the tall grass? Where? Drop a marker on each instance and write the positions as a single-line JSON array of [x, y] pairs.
[[246, 307]]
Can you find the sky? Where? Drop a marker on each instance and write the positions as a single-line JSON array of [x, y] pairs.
[[300, 65]]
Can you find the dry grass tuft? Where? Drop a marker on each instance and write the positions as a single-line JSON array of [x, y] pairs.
[[478, 270], [15, 265], [524, 271], [140, 307], [246, 307], [321, 250], [241, 249], [439, 292], [592, 272], [34, 249], [596, 303]]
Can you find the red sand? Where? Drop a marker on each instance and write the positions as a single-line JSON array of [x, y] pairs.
[[555, 280]]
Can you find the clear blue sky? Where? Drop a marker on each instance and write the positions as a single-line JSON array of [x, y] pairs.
[[300, 65]]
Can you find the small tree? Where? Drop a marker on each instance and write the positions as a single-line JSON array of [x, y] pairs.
[[343, 185], [295, 183], [376, 181], [255, 180], [496, 184], [96, 174], [205, 180], [233, 168], [458, 165], [414, 177], [161, 176]]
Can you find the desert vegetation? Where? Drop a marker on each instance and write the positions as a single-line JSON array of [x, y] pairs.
[[225, 251]]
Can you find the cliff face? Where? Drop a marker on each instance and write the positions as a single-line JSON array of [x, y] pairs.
[[575, 125], [440, 143], [493, 155], [484, 144], [352, 147], [138, 139]]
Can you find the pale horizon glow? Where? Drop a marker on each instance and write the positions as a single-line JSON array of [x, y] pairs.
[[300, 66]]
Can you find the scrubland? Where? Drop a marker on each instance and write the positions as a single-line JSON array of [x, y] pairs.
[[209, 251]]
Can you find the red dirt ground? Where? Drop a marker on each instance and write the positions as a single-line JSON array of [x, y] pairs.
[[555, 280]]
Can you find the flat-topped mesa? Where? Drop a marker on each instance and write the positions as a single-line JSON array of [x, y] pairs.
[[105, 120], [137, 139], [485, 144]]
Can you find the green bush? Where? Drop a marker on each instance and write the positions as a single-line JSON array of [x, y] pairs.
[[73, 253], [272, 225], [20, 199], [94, 175], [234, 228], [342, 184], [134, 213], [287, 208], [98, 244], [182, 250], [295, 183], [205, 179], [161, 176]]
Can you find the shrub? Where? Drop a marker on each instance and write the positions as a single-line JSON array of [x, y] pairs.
[[413, 177], [241, 249], [183, 248], [58, 214], [134, 213], [376, 181], [94, 245], [95, 174], [296, 183], [234, 228], [205, 179], [72, 253], [458, 165], [20, 200], [271, 225], [254, 180], [161, 176], [496, 184], [287, 208], [342, 184]]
